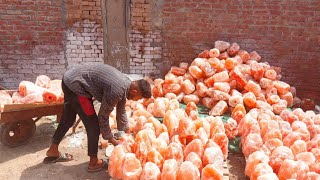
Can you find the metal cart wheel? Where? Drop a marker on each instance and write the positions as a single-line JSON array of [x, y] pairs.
[[17, 133]]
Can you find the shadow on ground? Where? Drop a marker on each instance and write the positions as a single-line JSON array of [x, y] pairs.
[[237, 164], [62, 171], [40, 140]]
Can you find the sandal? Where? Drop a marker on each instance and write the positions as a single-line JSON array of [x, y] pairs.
[[91, 170], [62, 158]]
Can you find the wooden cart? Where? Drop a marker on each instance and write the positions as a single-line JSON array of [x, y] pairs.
[[17, 121]]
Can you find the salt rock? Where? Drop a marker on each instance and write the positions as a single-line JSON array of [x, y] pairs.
[[211, 172], [278, 156], [191, 98], [160, 145], [171, 121], [260, 169], [116, 160], [131, 167], [170, 169], [220, 108], [213, 155], [186, 129], [196, 146], [238, 112], [174, 151], [285, 128], [254, 159], [188, 170], [231, 128], [222, 140], [306, 157], [252, 143], [155, 157], [272, 144], [268, 176], [291, 138], [195, 159], [291, 169], [202, 135], [150, 172], [234, 100]]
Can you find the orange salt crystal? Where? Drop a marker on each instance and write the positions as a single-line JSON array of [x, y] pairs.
[[281, 86], [131, 167], [279, 107], [195, 159], [174, 151], [222, 140], [202, 89], [278, 155], [191, 98], [268, 176], [171, 121], [171, 88], [211, 172], [204, 54], [214, 53], [191, 107], [288, 97], [257, 70], [170, 169], [213, 155], [244, 55], [157, 91], [233, 49], [150, 172], [249, 100], [235, 100], [160, 145], [255, 56], [208, 102], [270, 74], [272, 144], [251, 143], [265, 83], [188, 87], [207, 69], [186, 129], [177, 71], [306, 157], [272, 134], [196, 146], [221, 77], [155, 157], [218, 95], [231, 128], [260, 169], [222, 86], [196, 72], [184, 65], [188, 170], [202, 135], [221, 45], [254, 159], [209, 82], [273, 99], [220, 108], [230, 63], [253, 87], [116, 159], [238, 113], [237, 75]]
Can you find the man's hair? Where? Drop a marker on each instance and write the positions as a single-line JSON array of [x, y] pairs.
[[145, 88]]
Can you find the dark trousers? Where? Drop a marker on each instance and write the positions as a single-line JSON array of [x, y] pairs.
[[83, 106]]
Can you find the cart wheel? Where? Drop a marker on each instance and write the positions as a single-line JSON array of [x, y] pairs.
[[17, 133]]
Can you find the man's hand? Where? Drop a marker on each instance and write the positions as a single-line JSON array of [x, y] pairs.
[[114, 141]]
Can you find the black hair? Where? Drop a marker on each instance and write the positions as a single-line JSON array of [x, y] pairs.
[[145, 88]]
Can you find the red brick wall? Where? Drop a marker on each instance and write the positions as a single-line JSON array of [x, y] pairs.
[[285, 33], [31, 40], [47, 37]]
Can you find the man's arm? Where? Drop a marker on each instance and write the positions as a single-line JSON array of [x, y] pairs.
[[106, 108], [122, 120]]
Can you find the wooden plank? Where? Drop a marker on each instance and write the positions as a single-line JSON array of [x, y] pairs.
[[38, 111], [15, 107], [225, 171]]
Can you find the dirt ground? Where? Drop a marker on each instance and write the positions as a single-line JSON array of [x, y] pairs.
[[25, 162]]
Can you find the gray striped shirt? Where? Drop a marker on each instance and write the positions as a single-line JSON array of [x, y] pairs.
[[106, 84]]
